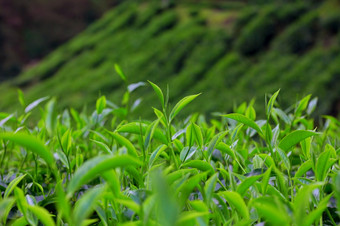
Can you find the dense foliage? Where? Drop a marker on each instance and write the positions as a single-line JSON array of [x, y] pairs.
[[105, 169], [231, 51]]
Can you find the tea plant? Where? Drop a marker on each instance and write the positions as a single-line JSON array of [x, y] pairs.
[[71, 168]]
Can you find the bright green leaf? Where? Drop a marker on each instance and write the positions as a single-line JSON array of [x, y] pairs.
[[100, 104], [43, 215], [235, 200], [120, 72], [294, 138], [96, 166], [180, 105], [271, 103], [32, 143], [249, 181], [12, 185], [85, 205], [246, 121], [159, 93]]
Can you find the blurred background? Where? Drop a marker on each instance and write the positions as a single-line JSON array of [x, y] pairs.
[[231, 51]]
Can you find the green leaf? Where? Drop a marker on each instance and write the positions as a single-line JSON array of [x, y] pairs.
[[187, 216], [181, 104], [187, 153], [32, 143], [129, 203], [160, 116], [312, 105], [282, 115], [66, 141], [5, 206], [172, 177], [251, 113], [322, 165], [302, 105], [134, 86], [268, 133], [134, 128], [51, 116], [63, 158], [21, 203], [271, 103], [199, 164], [159, 93], [235, 132], [8, 118], [246, 121], [155, 154], [150, 131], [198, 134], [275, 136], [103, 146], [43, 215], [112, 180], [303, 168], [336, 188], [96, 166], [120, 72], [102, 215], [258, 162], [294, 138], [21, 98], [190, 136], [190, 184], [12, 185], [265, 180], [167, 208], [305, 147], [284, 158], [194, 134], [269, 209], [200, 206], [301, 202], [224, 148], [100, 104], [63, 204], [235, 200], [268, 160], [215, 141], [281, 182], [35, 103], [209, 188], [249, 181], [315, 215], [125, 142], [85, 205], [21, 221]]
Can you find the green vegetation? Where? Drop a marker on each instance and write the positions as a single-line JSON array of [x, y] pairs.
[[104, 169], [230, 52]]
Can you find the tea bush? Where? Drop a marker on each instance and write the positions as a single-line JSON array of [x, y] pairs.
[[103, 168]]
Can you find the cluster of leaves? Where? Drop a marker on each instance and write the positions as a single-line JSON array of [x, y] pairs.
[[104, 169]]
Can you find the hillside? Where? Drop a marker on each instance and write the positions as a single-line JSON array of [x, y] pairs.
[[230, 52]]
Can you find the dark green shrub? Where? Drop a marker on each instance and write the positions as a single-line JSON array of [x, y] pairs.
[[288, 13], [331, 23], [148, 14], [257, 34], [244, 17], [299, 36], [161, 23]]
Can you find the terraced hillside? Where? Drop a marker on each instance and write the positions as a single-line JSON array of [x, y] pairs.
[[230, 52]]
